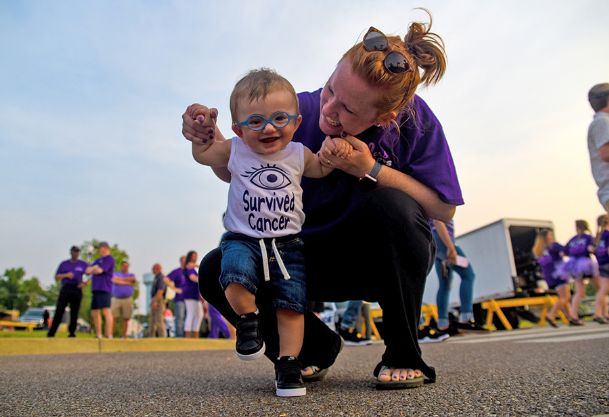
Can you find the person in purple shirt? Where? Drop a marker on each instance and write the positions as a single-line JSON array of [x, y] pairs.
[[549, 255], [69, 273], [192, 298], [601, 315], [176, 281], [122, 296], [580, 264], [102, 271], [372, 211], [445, 263]]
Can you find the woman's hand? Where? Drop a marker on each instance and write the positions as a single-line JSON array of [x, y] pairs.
[[358, 163], [451, 255], [199, 124]]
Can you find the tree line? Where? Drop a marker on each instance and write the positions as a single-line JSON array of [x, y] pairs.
[[20, 293]]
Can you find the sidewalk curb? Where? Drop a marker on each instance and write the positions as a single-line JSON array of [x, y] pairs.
[[38, 346]]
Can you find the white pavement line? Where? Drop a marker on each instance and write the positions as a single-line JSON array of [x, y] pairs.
[[568, 338], [556, 333]]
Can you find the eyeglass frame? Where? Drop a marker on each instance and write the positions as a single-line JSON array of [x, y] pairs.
[[245, 122], [388, 51]]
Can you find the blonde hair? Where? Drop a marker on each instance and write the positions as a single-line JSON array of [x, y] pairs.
[[424, 51], [256, 85], [540, 242]]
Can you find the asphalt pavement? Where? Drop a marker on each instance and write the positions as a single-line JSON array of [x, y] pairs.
[[553, 372]]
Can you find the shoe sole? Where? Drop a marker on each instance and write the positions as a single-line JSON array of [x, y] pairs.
[[252, 356], [361, 343], [290, 392], [436, 340], [412, 383]]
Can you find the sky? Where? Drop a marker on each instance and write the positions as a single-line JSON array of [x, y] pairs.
[[91, 97]]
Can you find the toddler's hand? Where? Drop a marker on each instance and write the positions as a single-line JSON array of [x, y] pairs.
[[343, 148], [199, 124], [337, 147]]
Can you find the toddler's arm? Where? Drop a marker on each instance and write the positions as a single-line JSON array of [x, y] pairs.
[[313, 167], [214, 154]]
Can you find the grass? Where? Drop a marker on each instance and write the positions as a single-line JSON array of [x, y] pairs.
[[24, 334]]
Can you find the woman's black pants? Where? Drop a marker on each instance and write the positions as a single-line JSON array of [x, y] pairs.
[[382, 252]]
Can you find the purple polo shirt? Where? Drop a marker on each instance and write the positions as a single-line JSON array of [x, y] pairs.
[[77, 268], [577, 247], [177, 276], [601, 249], [122, 290], [103, 281], [420, 151], [191, 289], [548, 260]]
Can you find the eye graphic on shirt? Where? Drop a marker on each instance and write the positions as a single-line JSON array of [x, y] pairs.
[[268, 177]]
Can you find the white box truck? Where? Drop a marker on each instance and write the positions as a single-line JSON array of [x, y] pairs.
[[500, 253]]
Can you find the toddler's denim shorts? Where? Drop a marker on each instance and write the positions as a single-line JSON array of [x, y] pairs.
[[242, 263]]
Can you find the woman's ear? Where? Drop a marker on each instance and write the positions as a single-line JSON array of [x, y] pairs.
[[385, 119]]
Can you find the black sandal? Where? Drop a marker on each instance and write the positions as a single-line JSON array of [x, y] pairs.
[[317, 375], [320, 373]]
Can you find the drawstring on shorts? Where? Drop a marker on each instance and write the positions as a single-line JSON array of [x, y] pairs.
[[265, 260]]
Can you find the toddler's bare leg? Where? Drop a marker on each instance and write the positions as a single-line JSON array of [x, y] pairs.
[[290, 326], [240, 299]]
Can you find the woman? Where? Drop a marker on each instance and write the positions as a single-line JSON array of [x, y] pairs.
[[580, 265], [366, 231], [602, 256], [549, 255], [192, 299]]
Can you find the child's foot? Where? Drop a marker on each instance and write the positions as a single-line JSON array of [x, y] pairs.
[[288, 380], [249, 339]]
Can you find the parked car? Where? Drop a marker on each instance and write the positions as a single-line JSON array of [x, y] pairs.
[[36, 315]]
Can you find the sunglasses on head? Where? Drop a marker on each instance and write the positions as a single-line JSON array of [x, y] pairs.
[[395, 62]]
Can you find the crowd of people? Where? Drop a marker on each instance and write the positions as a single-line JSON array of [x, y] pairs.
[[176, 307], [583, 257]]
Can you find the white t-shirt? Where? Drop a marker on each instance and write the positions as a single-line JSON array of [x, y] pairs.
[[265, 197], [598, 135]]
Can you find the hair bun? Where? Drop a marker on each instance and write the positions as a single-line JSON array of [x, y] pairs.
[[427, 49]]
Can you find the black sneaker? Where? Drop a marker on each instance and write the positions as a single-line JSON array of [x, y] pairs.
[[250, 345], [352, 338], [288, 379], [431, 335], [471, 326]]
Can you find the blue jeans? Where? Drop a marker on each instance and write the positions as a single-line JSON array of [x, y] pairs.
[[179, 315], [466, 289], [242, 263], [351, 314]]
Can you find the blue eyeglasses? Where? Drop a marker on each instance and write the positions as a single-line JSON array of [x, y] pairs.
[[258, 122]]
